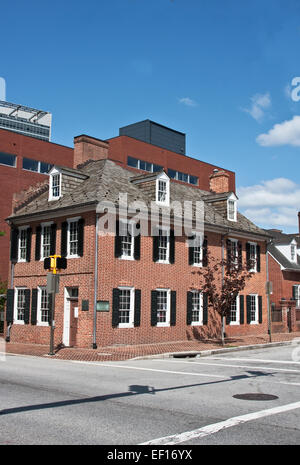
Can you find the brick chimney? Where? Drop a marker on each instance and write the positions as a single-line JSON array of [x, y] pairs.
[[89, 148], [219, 181]]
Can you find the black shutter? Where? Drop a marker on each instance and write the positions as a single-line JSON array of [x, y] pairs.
[[241, 309], [28, 244], [204, 252], [260, 309], [52, 239], [14, 241], [228, 316], [294, 292], [172, 246], [205, 308], [137, 247], [173, 308], [137, 307], [34, 297], [258, 258], [38, 233], [153, 308], [115, 308], [229, 258], [240, 255], [118, 248], [155, 246], [64, 239], [189, 308], [248, 303], [80, 237], [26, 306], [10, 296], [249, 266]]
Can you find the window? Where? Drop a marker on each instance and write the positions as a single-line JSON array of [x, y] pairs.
[[293, 252], [296, 294], [46, 241], [232, 252], [184, 177], [22, 244], [20, 305], [143, 165], [55, 185], [127, 242], [163, 307], [73, 238], [196, 251], [7, 159], [234, 312], [253, 309], [163, 189], [43, 307], [231, 209], [163, 245], [253, 256], [197, 308], [37, 166], [126, 307]]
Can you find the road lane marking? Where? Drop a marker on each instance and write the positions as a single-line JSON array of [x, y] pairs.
[[230, 366], [150, 369], [216, 427], [287, 362]]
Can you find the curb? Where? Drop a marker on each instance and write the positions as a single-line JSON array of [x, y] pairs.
[[203, 353]]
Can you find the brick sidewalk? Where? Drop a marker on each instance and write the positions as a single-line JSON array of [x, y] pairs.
[[126, 352]]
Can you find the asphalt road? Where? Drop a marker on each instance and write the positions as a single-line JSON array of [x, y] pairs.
[[178, 401]]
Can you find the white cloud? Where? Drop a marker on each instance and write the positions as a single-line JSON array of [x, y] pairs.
[[188, 102], [260, 103], [285, 133], [272, 203]]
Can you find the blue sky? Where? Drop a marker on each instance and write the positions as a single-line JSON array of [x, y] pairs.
[[220, 71]]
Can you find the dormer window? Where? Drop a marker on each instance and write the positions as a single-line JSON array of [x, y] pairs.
[[55, 184], [231, 209], [163, 189]]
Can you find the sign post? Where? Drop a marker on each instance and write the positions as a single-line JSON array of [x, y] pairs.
[[53, 264]]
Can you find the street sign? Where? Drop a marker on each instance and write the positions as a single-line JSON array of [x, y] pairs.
[[269, 287], [52, 283]]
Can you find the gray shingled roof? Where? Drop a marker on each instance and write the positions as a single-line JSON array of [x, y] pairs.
[[106, 180], [284, 262]]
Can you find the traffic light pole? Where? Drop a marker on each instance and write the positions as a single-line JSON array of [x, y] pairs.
[[52, 324]]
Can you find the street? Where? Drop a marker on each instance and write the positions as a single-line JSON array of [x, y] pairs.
[[242, 397]]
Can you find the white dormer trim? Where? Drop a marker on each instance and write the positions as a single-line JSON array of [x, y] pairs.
[[232, 207], [54, 184], [286, 250], [162, 181]]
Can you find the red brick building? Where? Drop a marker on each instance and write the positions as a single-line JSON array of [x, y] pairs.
[[284, 273], [128, 288]]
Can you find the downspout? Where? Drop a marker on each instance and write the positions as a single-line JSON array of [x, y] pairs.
[[268, 291], [95, 283], [223, 318], [12, 273]]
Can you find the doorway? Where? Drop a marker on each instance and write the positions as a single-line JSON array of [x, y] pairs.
[[70, 316]]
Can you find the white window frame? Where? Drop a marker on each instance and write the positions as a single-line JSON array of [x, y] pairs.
[[200, 310], [255, 322], [196, 239], [39, 321], [168, 309], [297, 296], [293, 252], [130, 324], [21, 230], [129, 227], [163, 178], [237, 320], [43, 226], [54, 172], [69, 221], [16, 320], [254, 267], [167, 235], [235, 260], [232, 199]]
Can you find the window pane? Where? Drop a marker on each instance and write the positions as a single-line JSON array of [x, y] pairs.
[[73, 238], [20, 304], [44, 306], [193, 180], [162, 306], [172, 173], [132, 162], [124, 306], [45, 167], [31, 165], [7, 159], [157, 168]]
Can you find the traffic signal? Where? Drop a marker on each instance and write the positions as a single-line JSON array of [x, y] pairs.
[[47, 263], [61, 263], [55, 262]]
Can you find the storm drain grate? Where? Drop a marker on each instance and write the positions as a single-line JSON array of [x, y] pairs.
[[255, 396]]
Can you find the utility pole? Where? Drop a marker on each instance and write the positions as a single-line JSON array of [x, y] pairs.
[[53, 264]]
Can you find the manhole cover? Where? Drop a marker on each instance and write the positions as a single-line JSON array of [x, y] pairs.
[[255, 396]]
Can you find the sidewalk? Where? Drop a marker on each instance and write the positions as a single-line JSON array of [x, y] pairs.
[[166, 349]]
